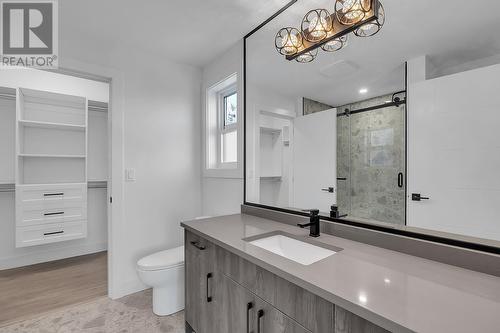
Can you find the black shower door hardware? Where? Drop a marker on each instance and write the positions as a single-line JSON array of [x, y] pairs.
[[400, 180], [330, 189], [418, 197]]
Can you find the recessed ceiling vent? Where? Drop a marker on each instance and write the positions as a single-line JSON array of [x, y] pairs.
[[341, 68]]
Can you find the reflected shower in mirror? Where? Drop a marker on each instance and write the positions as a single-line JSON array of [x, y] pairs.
[[328, 134], [398, 129]]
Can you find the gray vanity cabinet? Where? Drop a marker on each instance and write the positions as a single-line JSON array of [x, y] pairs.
[[228, 294], [201, 283]]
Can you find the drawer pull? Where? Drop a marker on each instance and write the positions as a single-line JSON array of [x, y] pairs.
[[52, 194], [55, 213], [209, 298], [53, 233], [198, 245], [260, 314], [249, 307]]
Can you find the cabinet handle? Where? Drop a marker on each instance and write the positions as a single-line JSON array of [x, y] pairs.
[[56, 213], [198, 245], [53, 233], [260, 314], [52, 194], [249, 307], [209, 298]]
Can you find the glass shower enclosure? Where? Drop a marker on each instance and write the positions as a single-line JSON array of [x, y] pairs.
[[371, 159]]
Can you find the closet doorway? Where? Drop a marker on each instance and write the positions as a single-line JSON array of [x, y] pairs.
[[54, 182]]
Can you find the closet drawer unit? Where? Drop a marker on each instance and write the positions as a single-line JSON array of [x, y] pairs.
[[50, 233], [70, 210], [51, 192]]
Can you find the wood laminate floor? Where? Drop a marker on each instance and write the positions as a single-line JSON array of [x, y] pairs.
[[33, 290]]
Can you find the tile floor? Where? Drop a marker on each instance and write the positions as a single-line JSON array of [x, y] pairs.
[[132, 314]]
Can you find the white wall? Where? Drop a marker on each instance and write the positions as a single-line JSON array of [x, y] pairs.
[[162, 143], [454, 152], [223, 191], [96, 241], [155, 106]]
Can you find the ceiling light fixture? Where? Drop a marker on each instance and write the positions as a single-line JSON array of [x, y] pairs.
[[320, 29], [363, 91]]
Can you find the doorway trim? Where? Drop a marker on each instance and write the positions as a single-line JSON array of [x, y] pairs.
[[115, 79]]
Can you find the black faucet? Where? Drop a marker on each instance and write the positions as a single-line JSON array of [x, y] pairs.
[[313, 223]]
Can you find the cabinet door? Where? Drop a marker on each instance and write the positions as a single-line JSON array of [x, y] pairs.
[[235, 308], [271, 320], [201, 283]]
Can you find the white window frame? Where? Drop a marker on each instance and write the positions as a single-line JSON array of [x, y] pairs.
[[222, 128], [213, 127]]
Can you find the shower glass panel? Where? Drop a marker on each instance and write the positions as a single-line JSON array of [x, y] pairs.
[[371, 161]]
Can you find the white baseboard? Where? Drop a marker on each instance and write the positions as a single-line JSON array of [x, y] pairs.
[[124, 288], [50, 255]]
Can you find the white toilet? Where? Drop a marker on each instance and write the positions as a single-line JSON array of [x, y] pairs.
[[164, 271]]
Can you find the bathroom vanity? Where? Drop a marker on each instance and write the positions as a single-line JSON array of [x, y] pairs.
[[234, 284]]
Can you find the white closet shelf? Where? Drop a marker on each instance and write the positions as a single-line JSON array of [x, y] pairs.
[[52, 156], [43, 124]]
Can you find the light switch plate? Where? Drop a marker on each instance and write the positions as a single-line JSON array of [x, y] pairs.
[[130, 175]]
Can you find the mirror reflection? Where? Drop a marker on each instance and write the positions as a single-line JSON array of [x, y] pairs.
[[398, 128]]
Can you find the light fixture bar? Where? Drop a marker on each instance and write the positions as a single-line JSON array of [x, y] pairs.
[[339, 29]]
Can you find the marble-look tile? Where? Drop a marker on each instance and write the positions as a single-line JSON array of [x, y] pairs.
[[132, 314]]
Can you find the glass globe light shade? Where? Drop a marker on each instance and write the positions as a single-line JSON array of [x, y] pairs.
[[371, 28], [335, 44], [316, 25], [307, 57], [288, 41], [350, 12]]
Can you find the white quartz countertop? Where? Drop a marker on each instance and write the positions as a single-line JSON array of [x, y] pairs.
[[399, 292]]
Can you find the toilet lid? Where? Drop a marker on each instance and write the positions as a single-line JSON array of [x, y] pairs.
[[163, 259]]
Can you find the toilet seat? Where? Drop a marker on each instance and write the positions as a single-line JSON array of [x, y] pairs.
[[162, 260]]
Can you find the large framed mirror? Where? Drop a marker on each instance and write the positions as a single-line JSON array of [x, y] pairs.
[[396, 132]]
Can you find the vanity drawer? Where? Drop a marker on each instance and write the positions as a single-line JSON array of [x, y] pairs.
[[309, 310], [51, 192], [50, 233]]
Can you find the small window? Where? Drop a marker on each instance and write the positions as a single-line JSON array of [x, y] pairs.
[[230, 110], [222, 128]]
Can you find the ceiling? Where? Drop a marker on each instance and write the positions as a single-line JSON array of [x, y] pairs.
[[192, 32], [449, 32]]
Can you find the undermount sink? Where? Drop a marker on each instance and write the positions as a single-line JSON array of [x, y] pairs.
[[293, 249]]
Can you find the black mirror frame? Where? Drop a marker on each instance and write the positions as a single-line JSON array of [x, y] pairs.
[[394, 230]]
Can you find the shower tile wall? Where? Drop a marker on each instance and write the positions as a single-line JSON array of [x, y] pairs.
[[370, 154], [311, 106]]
